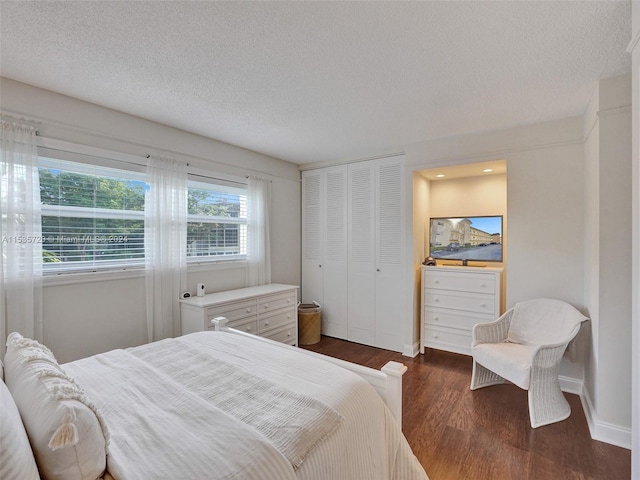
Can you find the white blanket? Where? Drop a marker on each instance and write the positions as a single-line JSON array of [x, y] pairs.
[[171, 432], [294, 423]]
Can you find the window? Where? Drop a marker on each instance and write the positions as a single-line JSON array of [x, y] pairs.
[[216, 222], [92, 217]]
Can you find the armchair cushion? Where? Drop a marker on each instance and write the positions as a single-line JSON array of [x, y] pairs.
[[509, 360], [543, 321]]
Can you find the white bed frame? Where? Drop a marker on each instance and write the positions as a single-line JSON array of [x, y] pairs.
[[387, 381]]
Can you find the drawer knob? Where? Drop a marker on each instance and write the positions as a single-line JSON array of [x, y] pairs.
[[288, 334], [288, 316], [484, 285], [266, 323], [436, 299], [437, 319], [436, 281], [288, 300], [435, 336], [248, 329], [248, 310], [266, 305], [484, 305]]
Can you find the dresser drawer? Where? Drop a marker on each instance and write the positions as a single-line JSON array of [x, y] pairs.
[[286, 334], [470, 302], [233, 311], [270, 322], [454, 319], [448, 339], [275, 302], [463, 282]]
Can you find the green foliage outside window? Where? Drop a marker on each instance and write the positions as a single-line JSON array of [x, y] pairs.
[[82, 238]]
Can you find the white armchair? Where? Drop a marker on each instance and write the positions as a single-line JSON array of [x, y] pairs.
[[524, 346]]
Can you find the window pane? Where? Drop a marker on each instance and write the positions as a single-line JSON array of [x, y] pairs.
[[58, 187], [91, 216], [215, 239], [69, 239], [217, 217], [214, 204]]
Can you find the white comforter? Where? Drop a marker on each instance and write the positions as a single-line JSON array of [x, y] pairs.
[[164, 423]]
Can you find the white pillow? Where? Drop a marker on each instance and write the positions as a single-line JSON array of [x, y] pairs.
[[16, 457], [66, 432]]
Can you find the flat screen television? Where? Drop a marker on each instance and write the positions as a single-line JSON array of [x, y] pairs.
[[466, 238]]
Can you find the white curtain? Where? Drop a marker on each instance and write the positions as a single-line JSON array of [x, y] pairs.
[[258, 238], [20, 234], [165, 244]]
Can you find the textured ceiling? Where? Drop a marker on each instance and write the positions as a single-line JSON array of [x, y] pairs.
[[321, 81]]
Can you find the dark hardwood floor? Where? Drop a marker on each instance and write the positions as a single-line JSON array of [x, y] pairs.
[[484, 434]]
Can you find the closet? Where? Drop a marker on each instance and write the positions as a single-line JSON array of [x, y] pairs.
[[324, 246], [352, 247]]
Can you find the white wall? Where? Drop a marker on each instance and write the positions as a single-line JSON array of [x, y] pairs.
[[546, 240], [634, 48], [608, 212], [469, 196], [97, 314]]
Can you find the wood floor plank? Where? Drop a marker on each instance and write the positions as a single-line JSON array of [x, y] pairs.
[[484, 434]]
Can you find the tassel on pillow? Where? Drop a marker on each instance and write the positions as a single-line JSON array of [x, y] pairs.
[[67, 434]]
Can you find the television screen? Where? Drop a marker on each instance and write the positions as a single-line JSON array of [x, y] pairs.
[[466, 238]]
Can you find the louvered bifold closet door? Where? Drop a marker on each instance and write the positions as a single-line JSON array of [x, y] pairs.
[[390, 226], [335, 267], [312, 236], [361, 218]]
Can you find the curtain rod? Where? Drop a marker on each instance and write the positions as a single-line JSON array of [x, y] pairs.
[[149, 156], [13, 116], [202, 175], [249, 176], [31, 123]]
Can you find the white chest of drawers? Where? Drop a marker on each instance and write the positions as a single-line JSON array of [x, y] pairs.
[[454, 299], [266, 310]]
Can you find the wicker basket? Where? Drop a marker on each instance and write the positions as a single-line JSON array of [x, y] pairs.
[[309, 323]]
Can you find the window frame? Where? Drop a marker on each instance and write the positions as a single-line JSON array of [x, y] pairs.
[[56, 160]]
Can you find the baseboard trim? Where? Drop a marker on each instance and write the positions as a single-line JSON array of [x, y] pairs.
[[570, 385], [603, 431], [411, 350]]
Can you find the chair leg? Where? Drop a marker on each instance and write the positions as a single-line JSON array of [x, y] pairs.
[[546, 400], [483, 377]]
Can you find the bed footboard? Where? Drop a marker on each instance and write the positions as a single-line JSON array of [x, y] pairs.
[[387, 381]]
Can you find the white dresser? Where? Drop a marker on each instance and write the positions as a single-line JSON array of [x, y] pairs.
[[267, 310], [454, 299]]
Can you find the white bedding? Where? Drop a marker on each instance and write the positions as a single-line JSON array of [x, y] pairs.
[[161, 429]]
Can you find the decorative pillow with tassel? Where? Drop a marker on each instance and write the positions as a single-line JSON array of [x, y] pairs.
[[67, 433]]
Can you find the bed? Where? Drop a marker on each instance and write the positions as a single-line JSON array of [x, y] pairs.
[[208, 405]]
